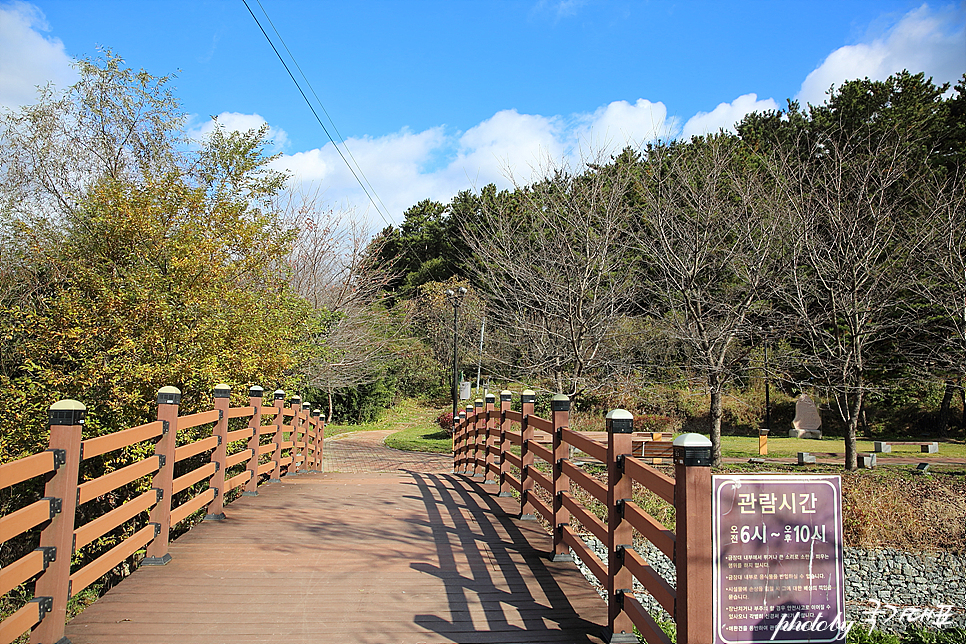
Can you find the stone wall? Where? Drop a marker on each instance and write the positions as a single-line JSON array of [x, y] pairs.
[[874, 580]]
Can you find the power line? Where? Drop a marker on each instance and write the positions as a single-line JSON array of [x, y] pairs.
[[317, 118], [319, 101]]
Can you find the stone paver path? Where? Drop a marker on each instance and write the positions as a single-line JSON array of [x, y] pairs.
[[361, 452]]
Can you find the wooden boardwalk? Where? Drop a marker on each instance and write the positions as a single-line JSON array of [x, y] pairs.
[[400, 557]]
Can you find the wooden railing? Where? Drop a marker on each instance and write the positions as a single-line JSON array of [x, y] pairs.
[[290, 443], [523, 452]]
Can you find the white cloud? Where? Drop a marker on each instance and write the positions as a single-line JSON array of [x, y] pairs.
[[236, 122], [924, 40], [28, 59], [407, 167], [725, 115]]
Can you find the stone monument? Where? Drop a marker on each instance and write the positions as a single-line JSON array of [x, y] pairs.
[[808, 422]]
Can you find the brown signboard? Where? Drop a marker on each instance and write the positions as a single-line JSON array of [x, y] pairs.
[[778, 572]]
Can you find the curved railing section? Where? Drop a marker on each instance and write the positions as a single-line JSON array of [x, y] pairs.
[[179, 476], [533, 457]]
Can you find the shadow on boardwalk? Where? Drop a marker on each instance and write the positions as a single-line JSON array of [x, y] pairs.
[[407, 556]]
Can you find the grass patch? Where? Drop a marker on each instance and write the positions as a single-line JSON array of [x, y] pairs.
[[414, 426], [421, 439], [784, 447]]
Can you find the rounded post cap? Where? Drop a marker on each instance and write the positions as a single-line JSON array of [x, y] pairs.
[[619, 421], [506, 395], [169, 395], [692, 450], [296, 401], [279, 394], [560, 402], [307, 405], [67, 412], [692, 440], [528, 396], [478, 402], [469, 408], [316, 412], [221, 391], [255, 391], [462, 414]]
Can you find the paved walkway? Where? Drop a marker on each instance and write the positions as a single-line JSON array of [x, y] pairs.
[[403, 557], [365, 452]]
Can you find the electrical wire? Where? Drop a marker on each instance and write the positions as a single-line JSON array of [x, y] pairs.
[[281, 59]]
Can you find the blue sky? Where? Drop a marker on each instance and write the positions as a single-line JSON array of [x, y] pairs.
[[434, 97]]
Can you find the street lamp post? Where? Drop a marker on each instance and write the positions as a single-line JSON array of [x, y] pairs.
[[767, 392], [455, 297]]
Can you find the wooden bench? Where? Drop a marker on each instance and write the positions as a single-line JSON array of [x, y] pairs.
[[926, 447]]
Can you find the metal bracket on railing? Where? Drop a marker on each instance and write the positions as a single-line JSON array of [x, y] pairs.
[[216, 491], [60, 458], [219, 436], [217, 466], [162, 459], [50, 555], [159, 493], [621, 550], [157, 529], [621, 505], [82, 452], [55, 505], [165, 426], [44, 605], [525, 469], [221, 414], [559, 465], [620, 462]]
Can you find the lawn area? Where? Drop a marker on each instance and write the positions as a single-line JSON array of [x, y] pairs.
[[784, 447], [414, 424]]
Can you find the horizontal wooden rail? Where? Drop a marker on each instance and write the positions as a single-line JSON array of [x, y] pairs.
[[584, 553], [545, 511], [653, 582], [513, 482], [104, 484], [267, 448], [237, 435], [26, 518], [514, 416], [192, 477], [197, 447], [654, 480], [540, 478], [107, 522], [241, 412], [513, 460], [188, 508], [643, 620], [586, 519], [26, 468], [269, 412], [540, 424], [515, 438], [650, 528], [240, 457], [237, 480], [103, 564], [540, 452], [586, 445], [265, 468], [20, 622], [587, 482], [21, 570], [194, 420], [285, 461], [286, 445], [108, 443]]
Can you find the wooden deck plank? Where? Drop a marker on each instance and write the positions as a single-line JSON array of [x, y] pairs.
[[395, 557]]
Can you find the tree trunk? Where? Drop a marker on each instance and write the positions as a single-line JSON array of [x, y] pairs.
[[851, 451], [714, 384], [944, 408], [328, 417]]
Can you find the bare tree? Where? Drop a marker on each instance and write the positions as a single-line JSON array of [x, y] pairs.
[[712, 248], [552, 259], [332, 265], [853, 260]]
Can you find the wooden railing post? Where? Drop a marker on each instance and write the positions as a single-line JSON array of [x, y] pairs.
[[560, 410], [620, 426], [57, 539], [318, 440], [527, 399], [505, 399], [489, 446], [254, 443], [305, 421], [279, 404], [459, 462], [295, 404], [693, 550], [169, 400], [479, 439], [216, 509]]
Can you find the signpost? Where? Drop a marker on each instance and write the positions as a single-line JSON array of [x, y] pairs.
[[778, 570]]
